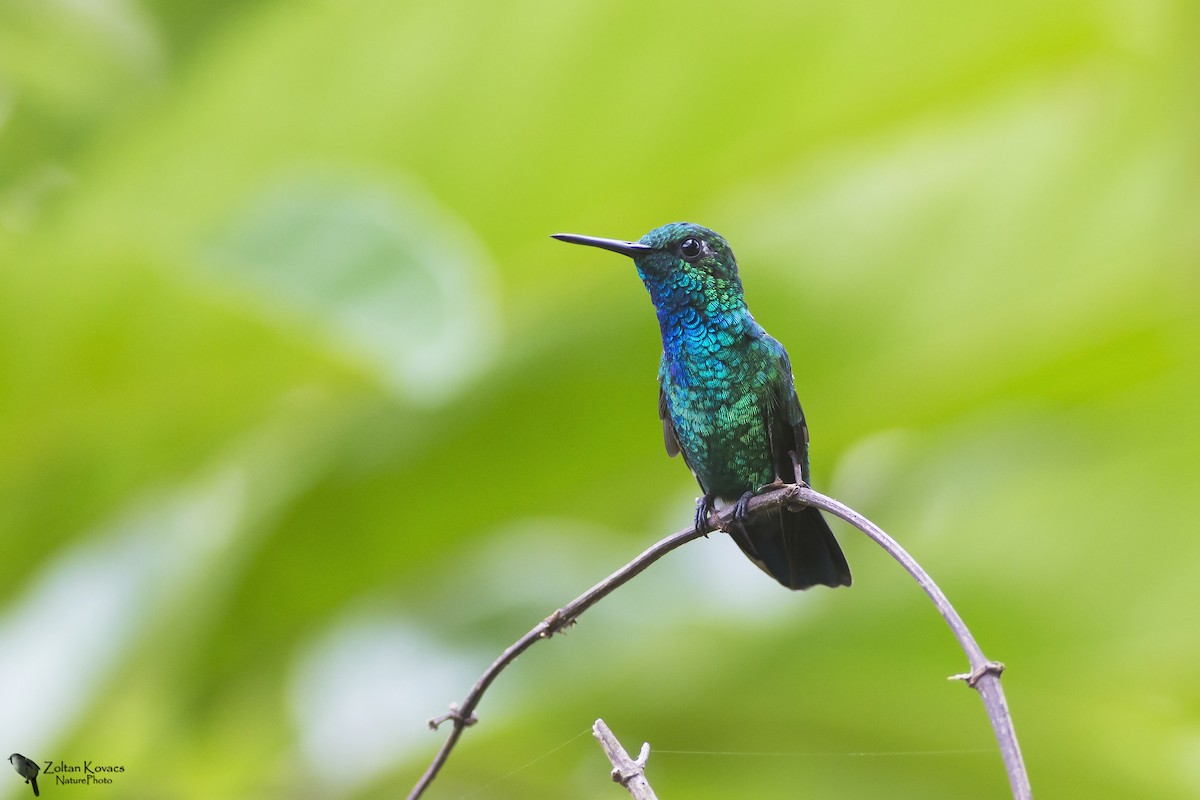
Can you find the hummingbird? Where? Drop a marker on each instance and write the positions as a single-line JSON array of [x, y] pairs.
[[727, 401], [27, 768]]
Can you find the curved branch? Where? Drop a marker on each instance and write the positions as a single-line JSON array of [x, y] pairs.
[[984, 676]]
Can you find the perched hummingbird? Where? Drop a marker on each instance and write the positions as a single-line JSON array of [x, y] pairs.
[[727, 400], [27, 768]]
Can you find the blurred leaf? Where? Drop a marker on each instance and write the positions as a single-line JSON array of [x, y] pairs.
[[395, 278]]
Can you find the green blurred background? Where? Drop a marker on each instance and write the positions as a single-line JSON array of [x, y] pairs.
[[303, 417]]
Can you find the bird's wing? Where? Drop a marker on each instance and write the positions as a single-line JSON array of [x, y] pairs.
[[789, 431], [669, 438]]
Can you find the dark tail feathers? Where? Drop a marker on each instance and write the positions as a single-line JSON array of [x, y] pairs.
[[795, 548]]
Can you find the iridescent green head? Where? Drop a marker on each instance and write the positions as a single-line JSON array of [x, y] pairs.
[[678, 262]]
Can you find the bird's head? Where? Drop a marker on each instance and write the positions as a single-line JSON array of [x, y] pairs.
[[678, 260]]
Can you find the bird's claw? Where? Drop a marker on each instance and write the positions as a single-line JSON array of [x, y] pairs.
[[704, 508], [741, 509]]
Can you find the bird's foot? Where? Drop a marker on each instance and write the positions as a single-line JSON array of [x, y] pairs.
[[797, 468], [704, 509], [741, 509]]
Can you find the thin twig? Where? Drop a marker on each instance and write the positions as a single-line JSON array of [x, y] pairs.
[[629, 772], [983, 677]]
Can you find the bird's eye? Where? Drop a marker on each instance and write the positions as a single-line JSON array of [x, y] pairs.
[[690, 249]]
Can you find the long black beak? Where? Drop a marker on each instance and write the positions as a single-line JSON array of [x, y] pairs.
[[630, 249]]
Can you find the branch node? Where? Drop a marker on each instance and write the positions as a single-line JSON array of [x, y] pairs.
[[643, 755], [636, 768], [973, 677], [453, 714], [556, 623], [629, 772]]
